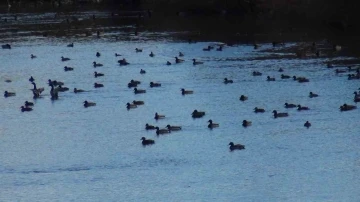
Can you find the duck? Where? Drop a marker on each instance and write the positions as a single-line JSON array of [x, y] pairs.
[[268, 78], [307, 124], [96, 74], [9, 94], [158, 116], [64, 59], [153, 84], [31, 79], [138, 102], [177, 60], [197, 62], [162, 131], [281, 70], [130, 106], [346, 107], [26, 109], [283, 76], [123, 62], [181, 54], [37, 90], [66, 68], [6, 46], [246, 123], [62, 89], [98, 85], [283, 114], [28, 104], [168, 63], [131, 84], [256, 73], [236, 146], [70, 45], [117, 55], [197, 114], [303, 80], [287, 105], [142, 71], [226, 81], [212, 125], [98, 54], [55, 83], [138, 50], [173, 128], [32, 56], [186, 92], [138, 91], [243, 97], [300, 108], [259, 110], [311, 95], [151, 54], [97, 64], [353, 76], [54, 93], [78, 90], [149, 127], [89, 104], [356, 97], [145, 141]]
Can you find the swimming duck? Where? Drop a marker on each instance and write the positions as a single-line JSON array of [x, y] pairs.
[[138, 102], [236, 146], [283, 114], [117, 55], [98, 85], [300, 108], [256, 73], [168, 63], [66, 68], [303, 80], [285, 76], [212, 125], [70, 45], [130, 106], [28, 104], [280, 70], [259, 110], [26, 109], [54, 92], [243, 97], [150, 127], [246, 123], [98, 54], [268, 78], [145, 141], [287, 105], [184, 92], [55, 83], [64, 59], [162, 131], [96, 74], [298, 78], [311, 95], [181, 54], [197, 114], [89, 104], [153, 84], [37, 90], [62, 89], [197, 62], [97, 64], [78, 90], [346, 107], [151, 54], [177, 60], [158, 116], [31, 79], [9, 94], [138, 50], [307, 124], [131, 84], [138, 91], [142, 71], [173, 128], [226, 81], [123, 62], [6, 46], [32, 56]]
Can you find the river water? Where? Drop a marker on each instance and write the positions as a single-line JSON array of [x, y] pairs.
[[62, 151]]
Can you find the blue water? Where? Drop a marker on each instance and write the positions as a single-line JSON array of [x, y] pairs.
[[62, 151]]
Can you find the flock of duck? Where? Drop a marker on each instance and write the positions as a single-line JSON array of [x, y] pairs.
[[57, 87]]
